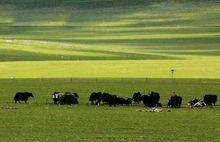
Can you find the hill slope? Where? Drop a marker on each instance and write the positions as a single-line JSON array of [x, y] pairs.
[[57, 30], [85, 30]]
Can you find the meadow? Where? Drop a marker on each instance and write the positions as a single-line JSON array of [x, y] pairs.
[[38, 121], [117, 46]]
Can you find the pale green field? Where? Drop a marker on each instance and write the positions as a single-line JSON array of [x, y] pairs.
[[109, 38], [118, 69]]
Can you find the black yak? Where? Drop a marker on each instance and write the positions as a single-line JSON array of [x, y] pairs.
[[106, 98], [22, 96], [175, 101], [210, 99], [95, 98], [122, 101], [137, 97], [128, 101], [112, 101], [56, 97], [69, 98], [151, 100]]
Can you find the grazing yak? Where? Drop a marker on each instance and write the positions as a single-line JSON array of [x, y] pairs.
[[95, 98], [151, 100], [122, 101], [137, 97], [106, 98], [69, 98], [22, 96], [128, 101], [175, 101], [56, 97], [113, 100], [196, 103], [210, 99]]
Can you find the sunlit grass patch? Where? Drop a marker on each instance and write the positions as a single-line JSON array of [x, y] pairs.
[[200, 68]]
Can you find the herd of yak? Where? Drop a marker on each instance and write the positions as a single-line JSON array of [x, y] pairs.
[[98, 98]]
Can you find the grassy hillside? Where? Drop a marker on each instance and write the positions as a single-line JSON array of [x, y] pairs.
[[86, 30], [61, 30]]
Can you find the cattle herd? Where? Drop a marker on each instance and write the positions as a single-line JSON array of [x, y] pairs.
[[97, 98]]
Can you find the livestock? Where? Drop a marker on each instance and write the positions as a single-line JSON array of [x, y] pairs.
[[175, 101], [106, 98], [128, 101], [200, 104], [68, 98], [123, 101], [196, 103], [151, 100], [112, 101], [95, 98], [192, 103], [22, 96], [210, 99], [56, 97], [76, 95], [137, 97]]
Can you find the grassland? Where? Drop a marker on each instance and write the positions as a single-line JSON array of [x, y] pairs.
[[85, 32], [39, 121], [117, 46], [117, 69]]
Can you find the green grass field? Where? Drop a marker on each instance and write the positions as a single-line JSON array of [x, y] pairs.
[[117, 46], [39, 121]]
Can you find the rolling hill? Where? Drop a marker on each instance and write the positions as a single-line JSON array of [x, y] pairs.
[[109, 30]]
